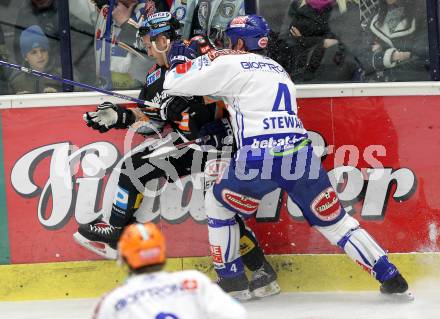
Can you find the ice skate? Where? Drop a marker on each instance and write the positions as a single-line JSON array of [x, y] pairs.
[[264, 282], [236, 287], [396, 288], [99, 237]]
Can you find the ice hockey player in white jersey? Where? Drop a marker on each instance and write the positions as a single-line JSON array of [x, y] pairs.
[[188, 117], [151, 293], [273, 152]]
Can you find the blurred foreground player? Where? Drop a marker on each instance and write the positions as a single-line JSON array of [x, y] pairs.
[[273, 152], [151, 293]]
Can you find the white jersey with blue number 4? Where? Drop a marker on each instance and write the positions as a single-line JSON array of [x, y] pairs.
[[257, 91], [162, 295]]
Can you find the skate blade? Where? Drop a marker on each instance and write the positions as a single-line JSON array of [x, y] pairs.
[[242, 295], [400, 297], [99, 248], [269, 290]]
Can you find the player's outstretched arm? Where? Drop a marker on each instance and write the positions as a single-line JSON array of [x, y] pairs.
[[201, 77]]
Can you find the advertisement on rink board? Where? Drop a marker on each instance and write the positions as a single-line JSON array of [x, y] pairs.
[[380, 154]]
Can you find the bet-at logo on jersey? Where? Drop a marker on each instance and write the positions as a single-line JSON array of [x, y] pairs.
[[81, 182]]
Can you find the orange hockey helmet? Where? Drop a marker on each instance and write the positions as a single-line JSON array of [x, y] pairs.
[[142, 245]]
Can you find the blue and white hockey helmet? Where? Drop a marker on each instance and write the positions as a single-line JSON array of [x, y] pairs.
[[252, 29], [160, 23]]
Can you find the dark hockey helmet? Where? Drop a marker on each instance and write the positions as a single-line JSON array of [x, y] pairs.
[[160, 23], [252, 29]]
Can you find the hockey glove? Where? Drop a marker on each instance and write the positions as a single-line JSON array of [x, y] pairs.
[[107, 116], [217, 134], [171, 109], [180, 53]]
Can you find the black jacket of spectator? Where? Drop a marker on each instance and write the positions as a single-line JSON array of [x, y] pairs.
[[23, 83], [301, 56], [341, 62], [397, 28]]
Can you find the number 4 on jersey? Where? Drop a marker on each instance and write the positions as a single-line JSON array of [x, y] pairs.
[[283, 95]]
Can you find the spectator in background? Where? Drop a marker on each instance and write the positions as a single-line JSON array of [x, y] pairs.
[[4, 73], [206, 17], [34, 47], [397, 40], [118, 64], [307, 38], [44, 13], [340, 57], [341, 61]]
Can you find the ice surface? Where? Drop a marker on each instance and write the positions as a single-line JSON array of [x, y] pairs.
[[339, 305]]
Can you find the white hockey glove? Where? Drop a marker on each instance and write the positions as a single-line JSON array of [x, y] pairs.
[[108, 116]]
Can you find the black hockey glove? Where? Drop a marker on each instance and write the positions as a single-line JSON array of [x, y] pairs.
[[180, 53], [217, 134], [108, 116], [171, 109]]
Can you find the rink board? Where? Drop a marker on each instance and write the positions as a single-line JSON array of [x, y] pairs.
[[379, 143], [381, 153], [296, 273]]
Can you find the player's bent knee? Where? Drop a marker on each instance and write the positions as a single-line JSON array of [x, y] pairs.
[[335, 232], [215, 209], [244, 205]]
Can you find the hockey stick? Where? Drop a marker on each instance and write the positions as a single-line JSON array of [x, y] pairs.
[[168, 150], [81, 85]]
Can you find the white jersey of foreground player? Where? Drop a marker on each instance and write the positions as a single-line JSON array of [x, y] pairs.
[[260, 118], [164, 295]]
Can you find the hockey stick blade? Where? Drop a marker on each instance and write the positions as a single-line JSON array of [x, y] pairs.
[[168, 150]]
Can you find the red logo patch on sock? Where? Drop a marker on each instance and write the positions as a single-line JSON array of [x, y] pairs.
[[216, 253], [326, 205], [243, 204]]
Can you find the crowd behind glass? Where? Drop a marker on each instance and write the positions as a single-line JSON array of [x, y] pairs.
[[316, 41]]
